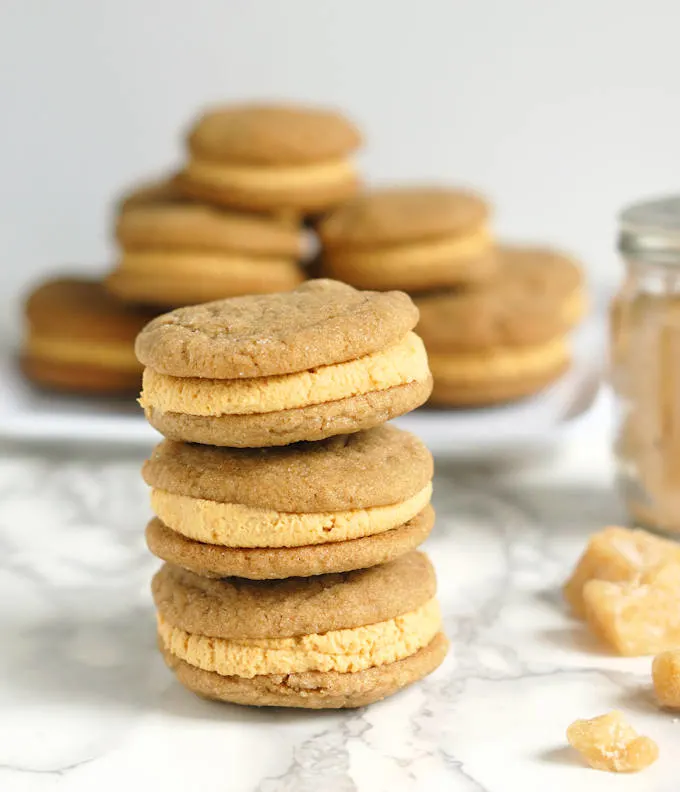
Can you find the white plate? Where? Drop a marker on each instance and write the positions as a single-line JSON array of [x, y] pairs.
[[27, 414]]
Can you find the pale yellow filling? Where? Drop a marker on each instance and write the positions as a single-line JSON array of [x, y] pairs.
[[107, 354], [202, 265], [408, 264], [346, 651], [265, 178], [236, 525], [498, 363], [397, 365]]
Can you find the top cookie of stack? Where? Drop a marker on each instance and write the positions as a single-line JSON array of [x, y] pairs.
[[272, 158], [271, 370]]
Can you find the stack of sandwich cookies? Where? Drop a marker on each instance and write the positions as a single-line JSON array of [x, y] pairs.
[[277, 369], [344, 503], [177, 252], [509, 339], [80, 339], [410, 238], [286, 512], [272, 158], [329, 641]]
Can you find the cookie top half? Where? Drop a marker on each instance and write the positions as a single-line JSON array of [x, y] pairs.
[[378, 467], [272, 134], [197, 227], [71, 305], [236, 608], [537, 295], [399, 215], [320, 323]]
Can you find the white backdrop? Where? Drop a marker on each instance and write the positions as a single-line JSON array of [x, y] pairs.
[[560, 111]]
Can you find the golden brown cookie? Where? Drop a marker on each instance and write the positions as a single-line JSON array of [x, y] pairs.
[[411, 238], [179, 253], [163, 190], [272, 158], [508, 339], [247, 637], [339, 504], [276, 369], [80, 339]]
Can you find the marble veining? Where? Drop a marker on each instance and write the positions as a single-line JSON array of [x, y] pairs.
[[86, 703]]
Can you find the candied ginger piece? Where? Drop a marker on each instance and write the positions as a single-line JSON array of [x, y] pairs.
[[666, 678], [617, 554], [609, 742], [637, 617]]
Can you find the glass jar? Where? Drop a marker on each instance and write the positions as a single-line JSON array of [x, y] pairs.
[[645, 364]]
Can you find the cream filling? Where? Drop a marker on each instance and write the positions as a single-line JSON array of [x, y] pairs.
[[346, 651], [498, 363], [438, 252], [397, 365], [106, 354], [265, 178], [202, 265], [236, 525], [410, 265]]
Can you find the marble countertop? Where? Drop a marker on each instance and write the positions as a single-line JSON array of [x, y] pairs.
[[86, 703]]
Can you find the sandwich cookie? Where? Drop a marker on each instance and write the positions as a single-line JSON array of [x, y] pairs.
[[323, 642], [271, 370], [411, 238], [81, 339], [177, 253], [343, 503], [272, 158], [508, 339]]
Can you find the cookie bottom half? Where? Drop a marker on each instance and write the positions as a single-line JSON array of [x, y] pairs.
[[283, 427], [283, 562], [464, 394], [313, 689]]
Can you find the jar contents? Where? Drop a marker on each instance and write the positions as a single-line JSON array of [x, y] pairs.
[[645, 365]]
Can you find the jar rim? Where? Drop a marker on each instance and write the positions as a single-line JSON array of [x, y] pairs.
[[652, 228]]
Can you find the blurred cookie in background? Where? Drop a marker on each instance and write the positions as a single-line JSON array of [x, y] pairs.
[[410, 238], [507, 339], [180, 253], [80, 339], [162, 190], [279, 158]]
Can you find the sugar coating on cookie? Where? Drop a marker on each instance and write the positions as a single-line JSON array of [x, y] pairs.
[[414, 238], [322, 360], [272, 157], [312, 497], [233, 635], [81, 339]]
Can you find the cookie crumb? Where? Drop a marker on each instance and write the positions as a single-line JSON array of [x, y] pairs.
[[609, 742]]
